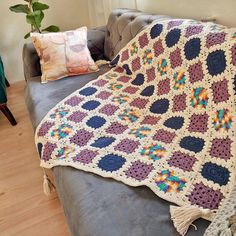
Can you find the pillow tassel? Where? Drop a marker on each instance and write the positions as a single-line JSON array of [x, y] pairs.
[[184, 216]]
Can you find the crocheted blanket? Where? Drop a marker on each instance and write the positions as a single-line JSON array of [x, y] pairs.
[[163, 117]]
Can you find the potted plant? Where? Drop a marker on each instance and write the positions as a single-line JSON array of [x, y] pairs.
[[34, 11]]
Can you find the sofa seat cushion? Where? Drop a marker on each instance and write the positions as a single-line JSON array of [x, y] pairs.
[[96, 206], [41, 98]]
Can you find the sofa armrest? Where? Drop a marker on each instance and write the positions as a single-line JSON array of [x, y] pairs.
[[96, 38], [31, 61]]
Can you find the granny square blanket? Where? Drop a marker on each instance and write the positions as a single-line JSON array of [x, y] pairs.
[[163, 116]]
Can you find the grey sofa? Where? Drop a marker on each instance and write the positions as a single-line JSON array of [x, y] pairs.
[[96, 206]]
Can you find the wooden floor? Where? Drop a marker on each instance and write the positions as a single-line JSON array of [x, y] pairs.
[[24, 209]]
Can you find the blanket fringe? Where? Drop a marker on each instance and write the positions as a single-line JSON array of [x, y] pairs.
[[184, 216], [48, 186]]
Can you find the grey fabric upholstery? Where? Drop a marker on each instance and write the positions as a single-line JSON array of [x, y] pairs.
[[31, 62], [96, 39], [40, 98], [123, 25], [96, 206]]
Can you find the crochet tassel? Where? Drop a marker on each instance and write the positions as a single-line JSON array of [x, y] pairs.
[[184, 216], [48, 186]]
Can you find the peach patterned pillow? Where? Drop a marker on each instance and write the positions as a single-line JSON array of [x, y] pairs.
[[63, 54]]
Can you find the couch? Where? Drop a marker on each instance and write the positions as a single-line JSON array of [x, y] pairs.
[[95, 206]]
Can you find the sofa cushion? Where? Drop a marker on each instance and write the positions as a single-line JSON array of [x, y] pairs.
[[40, 98], [96, 206]]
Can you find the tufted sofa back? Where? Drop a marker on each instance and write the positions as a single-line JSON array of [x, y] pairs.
[[123, 25]]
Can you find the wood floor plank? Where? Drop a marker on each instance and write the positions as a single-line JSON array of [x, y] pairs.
[[24, 209]]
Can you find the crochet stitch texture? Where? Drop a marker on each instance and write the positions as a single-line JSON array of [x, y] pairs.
[[163, 117]]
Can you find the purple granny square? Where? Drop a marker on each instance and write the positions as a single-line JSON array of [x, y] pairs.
[[82, 137], [108, 109], [205, 196], [45, 128], [85, 156], [103, 95], [116, 128], [139, 170], [221, 148], [74, 101], [77, 116], [100, 82], [182, 161], [220, 91], [47, 151], [128, 146]]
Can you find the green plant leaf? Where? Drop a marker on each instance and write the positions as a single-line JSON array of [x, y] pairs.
[[27, 35], [35, 18], [33, 1], [39, 6], [52, 28], [20, 8]]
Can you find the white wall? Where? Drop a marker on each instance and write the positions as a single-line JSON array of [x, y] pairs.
[[223, 10], [99, 10], [67, 14]]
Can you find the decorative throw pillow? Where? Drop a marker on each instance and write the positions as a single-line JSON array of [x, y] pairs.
[[63, 54]]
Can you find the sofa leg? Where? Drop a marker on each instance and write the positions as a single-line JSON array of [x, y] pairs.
[[4, 109]]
